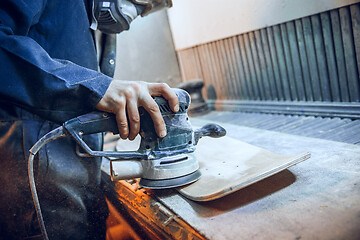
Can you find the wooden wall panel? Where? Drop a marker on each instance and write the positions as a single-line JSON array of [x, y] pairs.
[[190, 64], [315, 58]]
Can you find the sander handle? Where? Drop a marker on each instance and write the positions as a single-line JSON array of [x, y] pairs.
[[210, 130], [97, 122], [94, 122]]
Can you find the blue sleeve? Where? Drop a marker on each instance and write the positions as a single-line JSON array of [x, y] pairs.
[[56, 89]]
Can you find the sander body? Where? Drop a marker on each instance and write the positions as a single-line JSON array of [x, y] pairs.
[[160, 162]]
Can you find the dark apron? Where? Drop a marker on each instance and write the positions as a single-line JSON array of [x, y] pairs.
[[69, 190]]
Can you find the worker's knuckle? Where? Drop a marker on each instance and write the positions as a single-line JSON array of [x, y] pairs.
[[142, 83], [135, 118], [123, 125], [163, 86], [173, 97], [159, 123], [121, 104], [153, 108], [119, 101], [129, 93], [135, 86]]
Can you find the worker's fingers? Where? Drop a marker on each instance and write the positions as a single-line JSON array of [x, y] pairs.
[[121, 119], [162, 89], [123, 99], [153, 109], [131, 93], [133, 118]]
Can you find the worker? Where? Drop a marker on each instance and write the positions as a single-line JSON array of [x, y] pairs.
[[48, 75]]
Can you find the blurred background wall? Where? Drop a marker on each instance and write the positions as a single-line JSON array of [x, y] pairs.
[[201, 21], [146, 52], [269, 54]]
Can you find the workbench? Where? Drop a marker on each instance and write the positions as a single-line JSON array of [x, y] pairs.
[[315, 199]]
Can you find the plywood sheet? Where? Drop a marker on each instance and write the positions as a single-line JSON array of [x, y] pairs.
[[228, 165]]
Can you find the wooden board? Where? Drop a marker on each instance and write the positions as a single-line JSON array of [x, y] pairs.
[[228, 165]]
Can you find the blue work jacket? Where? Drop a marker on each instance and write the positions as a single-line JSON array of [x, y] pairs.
[[48, 59], [48, 74]]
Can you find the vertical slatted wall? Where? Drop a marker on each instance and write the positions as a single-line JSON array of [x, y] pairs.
[[316, 58]]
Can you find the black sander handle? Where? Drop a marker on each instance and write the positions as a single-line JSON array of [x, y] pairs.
[[209, 130], [97, 122], [94, 122]]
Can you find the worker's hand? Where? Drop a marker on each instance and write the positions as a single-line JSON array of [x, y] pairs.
[[123, 99]]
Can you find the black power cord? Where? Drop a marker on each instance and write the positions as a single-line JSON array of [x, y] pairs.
[[54, 134]]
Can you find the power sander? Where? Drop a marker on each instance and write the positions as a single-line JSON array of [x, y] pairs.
[[159, 162]]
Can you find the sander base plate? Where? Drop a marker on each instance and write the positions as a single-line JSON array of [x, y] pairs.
[[170, 183]]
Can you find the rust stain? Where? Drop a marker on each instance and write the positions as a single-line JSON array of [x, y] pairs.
[[152, 214]]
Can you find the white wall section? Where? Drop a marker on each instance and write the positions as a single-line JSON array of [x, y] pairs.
[[146, 52], [196, 22]]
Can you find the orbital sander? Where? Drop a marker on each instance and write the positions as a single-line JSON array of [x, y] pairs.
[[165, 162], [159, 162]]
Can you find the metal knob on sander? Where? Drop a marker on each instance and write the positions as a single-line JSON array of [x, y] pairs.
[[210, 130]]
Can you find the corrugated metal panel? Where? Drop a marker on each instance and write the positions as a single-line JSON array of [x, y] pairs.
[[316, 58], [335, 129]]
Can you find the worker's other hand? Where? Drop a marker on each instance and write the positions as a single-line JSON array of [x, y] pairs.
[[123, 99]]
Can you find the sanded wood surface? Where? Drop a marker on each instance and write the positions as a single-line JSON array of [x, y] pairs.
[[228, 165]]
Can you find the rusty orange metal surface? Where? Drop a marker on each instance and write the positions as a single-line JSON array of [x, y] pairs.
[[154, 218]]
